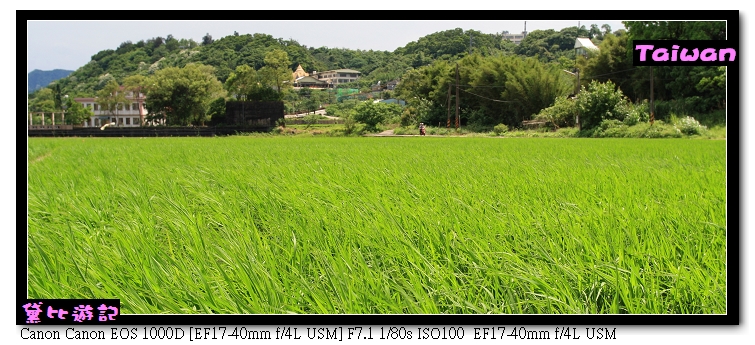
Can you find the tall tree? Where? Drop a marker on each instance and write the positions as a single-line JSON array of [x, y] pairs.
[[247, 84], [207, 39], [277, 72], [183, 95], [136, 84], [112, 99], [76, 113]]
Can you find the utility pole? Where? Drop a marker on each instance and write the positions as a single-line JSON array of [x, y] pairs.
[[652, 108], [448, 107], [457, 96]]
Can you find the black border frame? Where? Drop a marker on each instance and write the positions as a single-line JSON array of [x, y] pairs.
[[734, 245]]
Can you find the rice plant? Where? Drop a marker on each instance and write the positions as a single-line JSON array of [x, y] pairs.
[[380, 225]]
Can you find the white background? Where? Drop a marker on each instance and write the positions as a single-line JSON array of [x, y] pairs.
[[625, 334]]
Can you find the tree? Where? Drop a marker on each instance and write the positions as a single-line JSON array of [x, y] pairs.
[[136, 84], [611, 63], [111, 99], [76, 113], [207, 39], [371, 114], [606, 29], [216, 111], [247, 84], [600, 101], [182, 95], [57, 96], [277, 72], [41, 101]]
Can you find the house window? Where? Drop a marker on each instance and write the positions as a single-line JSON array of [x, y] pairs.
[[135, 106], [128, 120], [96, 106], [120, 121], [136, 121], [127, 107], [97, 122]]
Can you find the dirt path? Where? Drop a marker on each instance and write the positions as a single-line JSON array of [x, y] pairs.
[[390, 133], [384, 133]]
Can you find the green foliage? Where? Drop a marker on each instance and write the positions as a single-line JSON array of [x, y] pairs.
[[676, 82], [562, 113], [111, 98], [600, 101], [183, 95], [350, 125], [247, 84], [312, 119], [639, 112], [216, 111], [496, 89], [344, 109], [550, 45], [496, 85], [42, 100], [500, 129], [276, 73], [612, 63], [371, 113], [689, 126], [76, 113]]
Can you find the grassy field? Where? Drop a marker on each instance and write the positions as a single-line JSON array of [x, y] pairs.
[[380, 225]]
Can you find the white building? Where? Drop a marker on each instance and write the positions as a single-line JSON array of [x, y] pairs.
[[130, 114], [337, 76], [516, 38]]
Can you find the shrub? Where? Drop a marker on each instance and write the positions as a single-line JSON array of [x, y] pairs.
[[637, 113], [349, 125], [500, 129], [601, 101], [562, 113], [371, 113], [689, 126]]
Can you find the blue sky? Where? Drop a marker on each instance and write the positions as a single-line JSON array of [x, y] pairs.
[[71, 44]]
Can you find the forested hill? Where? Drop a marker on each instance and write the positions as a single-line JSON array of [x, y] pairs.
[[38, 79], [225, 54]]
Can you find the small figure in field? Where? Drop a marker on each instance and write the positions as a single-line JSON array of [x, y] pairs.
[[421, 128]]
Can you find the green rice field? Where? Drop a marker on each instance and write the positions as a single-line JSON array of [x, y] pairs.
[[276, 225]]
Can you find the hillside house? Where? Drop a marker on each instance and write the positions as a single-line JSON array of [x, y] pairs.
[[130, 114]]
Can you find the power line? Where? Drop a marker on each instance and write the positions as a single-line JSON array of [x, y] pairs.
[[490, 99]]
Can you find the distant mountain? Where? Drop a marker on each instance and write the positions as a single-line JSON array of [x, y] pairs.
[[39, 79]]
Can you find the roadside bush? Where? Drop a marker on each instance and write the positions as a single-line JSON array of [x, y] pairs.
[[500, 129], [562, 113], [689, 126], [657, 130], [637, 113], [371, 114], [601, 101], [349, 126]]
